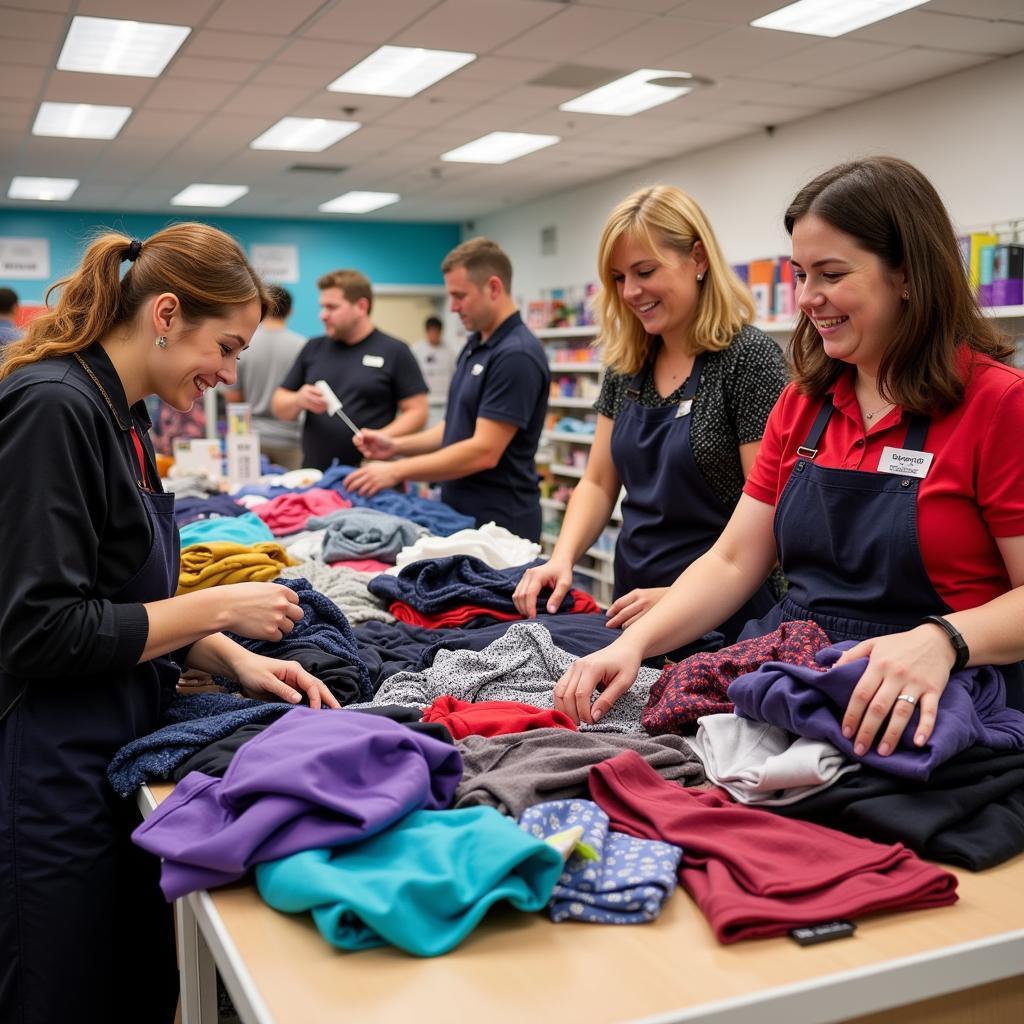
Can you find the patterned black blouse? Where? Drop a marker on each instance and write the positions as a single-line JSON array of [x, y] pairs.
[[737, 390]]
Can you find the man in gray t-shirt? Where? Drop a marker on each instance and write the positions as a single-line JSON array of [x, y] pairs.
[[261, 369]]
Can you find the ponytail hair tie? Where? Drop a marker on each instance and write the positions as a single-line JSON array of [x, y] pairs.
[[134, 248]]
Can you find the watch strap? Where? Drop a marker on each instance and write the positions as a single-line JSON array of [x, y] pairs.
[[963, 652]]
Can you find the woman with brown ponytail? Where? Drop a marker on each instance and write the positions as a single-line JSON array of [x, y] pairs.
[[91, 639]]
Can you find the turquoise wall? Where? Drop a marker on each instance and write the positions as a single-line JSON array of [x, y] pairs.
[[387, 252]]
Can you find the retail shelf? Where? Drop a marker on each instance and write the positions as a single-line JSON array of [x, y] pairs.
[[547, 333], [571, 403], [561, 469], [775, 326], [598, 554], [552, 503], [557, 367], [1003, 312], [566, 435], [992, 312], [593, 574]]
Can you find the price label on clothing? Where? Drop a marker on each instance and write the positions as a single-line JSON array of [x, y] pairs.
[[904, 462], [684, 408]]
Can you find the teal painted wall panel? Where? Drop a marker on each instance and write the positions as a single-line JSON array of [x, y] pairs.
[[387, 252]]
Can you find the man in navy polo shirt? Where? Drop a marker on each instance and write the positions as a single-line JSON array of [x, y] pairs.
[[376, 376], [483, 451]]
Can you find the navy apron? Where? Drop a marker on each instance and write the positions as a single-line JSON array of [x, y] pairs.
[[848, 546], [91, 938], [670, 516]]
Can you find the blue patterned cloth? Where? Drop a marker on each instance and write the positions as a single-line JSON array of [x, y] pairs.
[[627, 884], [323, 626]]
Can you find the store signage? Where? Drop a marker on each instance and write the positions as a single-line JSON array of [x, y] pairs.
[[24, 259], [277, 264]]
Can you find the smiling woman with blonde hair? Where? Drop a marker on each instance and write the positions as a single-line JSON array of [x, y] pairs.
[[688, 387]]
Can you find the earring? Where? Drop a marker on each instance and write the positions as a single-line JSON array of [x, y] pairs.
[[906, 294], [161, 342], [700, 277]]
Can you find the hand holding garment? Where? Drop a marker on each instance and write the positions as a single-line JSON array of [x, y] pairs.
[[810, 701], [422, 885], [752, 878], [219, 563], [764, 765], [697, 685], [314, 778], [463, 718], [629, 881]]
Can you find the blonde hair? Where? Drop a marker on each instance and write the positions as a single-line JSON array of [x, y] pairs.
[[663, 216], [205, 268]]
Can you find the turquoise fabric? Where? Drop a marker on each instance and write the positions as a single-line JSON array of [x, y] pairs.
[[244, 529], [422, 885]]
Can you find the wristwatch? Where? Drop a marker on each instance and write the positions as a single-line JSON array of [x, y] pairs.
[[963, 652]]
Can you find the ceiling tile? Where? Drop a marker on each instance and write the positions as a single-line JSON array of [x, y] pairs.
[[422, 112], [823, 58], [296, 75], [203, 96], [737, 12], [456, 87], [18, 82], [56, 6], [1010, 10], [906, 68], [647, 6], [231, 45], [763, 114], [479, 25], [274, 101], [570, 33], [334, 57], [505, 70], [814, 95], [263, 15], [947, 31], [358, 21], [41, 53], [182, 12], [79, 87], [37, 25], [643, 47], [210, 69], [740, 51], [154, 127]]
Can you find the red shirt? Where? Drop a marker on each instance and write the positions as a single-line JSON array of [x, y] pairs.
[[974, 490]]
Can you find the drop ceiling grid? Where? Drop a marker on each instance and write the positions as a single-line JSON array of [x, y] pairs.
[[248, 62]]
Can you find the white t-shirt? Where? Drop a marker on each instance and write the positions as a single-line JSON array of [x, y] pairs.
[[436, 364]]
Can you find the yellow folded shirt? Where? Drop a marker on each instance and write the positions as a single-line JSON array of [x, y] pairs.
[[222, 562]]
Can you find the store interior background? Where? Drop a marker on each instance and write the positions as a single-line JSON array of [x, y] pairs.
[[940, 85]]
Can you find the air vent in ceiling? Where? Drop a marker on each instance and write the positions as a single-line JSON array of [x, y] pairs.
[[576, 76], [317, 168]]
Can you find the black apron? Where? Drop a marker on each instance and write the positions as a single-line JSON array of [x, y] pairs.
[[85, 934], [670, 516], [848, 546]]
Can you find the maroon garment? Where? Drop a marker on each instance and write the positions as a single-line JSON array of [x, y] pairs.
[[289, 513], [696, 685], [753, 877], [463, 718]]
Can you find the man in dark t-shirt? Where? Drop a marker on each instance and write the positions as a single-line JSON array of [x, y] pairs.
[[483, 452], [376, 377]]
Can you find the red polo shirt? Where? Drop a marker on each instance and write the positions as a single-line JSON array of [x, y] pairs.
[[974, 490]]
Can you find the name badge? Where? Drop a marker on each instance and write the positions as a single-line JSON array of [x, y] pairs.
[[377, 361], [684, 408], [478, 368], [904, 462]]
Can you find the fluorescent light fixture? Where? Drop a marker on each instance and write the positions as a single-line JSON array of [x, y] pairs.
[[110, 46], [80, 120], [209, 195], [499, 148], [304, 134], [359, 202], [832, 18], [630, 95], [400, 71], [51, 189]]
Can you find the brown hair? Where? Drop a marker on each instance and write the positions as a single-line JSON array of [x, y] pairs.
[[353, 284], [482, 259], [663, 216], [891, 210], [205, 268]]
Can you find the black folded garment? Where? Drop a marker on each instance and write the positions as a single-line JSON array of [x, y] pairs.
[[970, 812]]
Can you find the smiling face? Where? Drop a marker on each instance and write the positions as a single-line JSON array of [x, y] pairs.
[[852, 298], [199, 356], [659, 287]]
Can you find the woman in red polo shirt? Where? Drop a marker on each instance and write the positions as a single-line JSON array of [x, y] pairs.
[[888, 486]]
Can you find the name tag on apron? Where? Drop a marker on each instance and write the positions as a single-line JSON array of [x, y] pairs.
[[904, 462], [478, 368], [377, 361], [684, 408]]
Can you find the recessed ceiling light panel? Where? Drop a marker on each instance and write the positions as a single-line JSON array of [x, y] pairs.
[[638, 91], [304, 134], [49, 189], [499, 148], [832, 18], [110, 46], [80, 120], [400, 71], [359, 202], [209, 195]]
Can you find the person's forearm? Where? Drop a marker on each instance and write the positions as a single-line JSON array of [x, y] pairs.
[[284, 404], [179, 621], [406, 423], [452, 462], [215, 654], [993, 630], [586, 516], [421, 443]]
